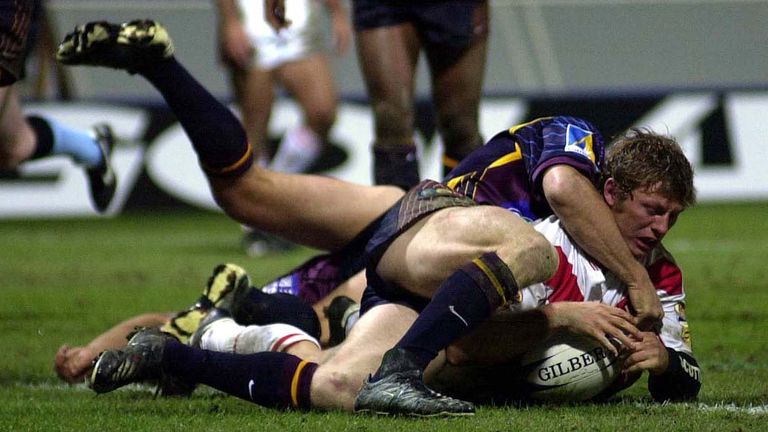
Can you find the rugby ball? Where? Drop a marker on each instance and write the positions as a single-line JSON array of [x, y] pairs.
[[568, 367]]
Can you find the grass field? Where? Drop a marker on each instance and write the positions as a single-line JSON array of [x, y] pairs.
[[65, 280]]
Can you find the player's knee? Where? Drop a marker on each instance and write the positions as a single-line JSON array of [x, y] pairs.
[[544, 255], [320, 118], [532, 258]]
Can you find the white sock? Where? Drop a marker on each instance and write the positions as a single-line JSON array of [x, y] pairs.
[[226, 335], [298, 149]]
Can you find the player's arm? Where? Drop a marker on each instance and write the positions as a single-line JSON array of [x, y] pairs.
[[340, 25], [674, 375], [235, 48], [580, 207], [73, 363], [507, 334]]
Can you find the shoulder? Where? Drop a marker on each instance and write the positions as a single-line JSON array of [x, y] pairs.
[[664, 272]]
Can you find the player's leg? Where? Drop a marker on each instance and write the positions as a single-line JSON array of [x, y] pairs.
[[309, 81], [253, 196], [254, 91], [457, 81], [24, 138], [483, 255], [17, 139], [387, 57]]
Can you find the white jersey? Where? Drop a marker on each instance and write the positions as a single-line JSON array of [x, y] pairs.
[[302, 38], [578, 278]]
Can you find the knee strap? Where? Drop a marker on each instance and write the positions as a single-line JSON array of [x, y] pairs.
[[495, 279]]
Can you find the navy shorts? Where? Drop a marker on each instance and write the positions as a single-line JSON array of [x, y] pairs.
[[439, 22], [18, 27], [422, 200]]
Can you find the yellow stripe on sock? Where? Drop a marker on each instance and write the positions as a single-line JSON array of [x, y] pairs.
[[234, 166], [492, 277], [295, 383]]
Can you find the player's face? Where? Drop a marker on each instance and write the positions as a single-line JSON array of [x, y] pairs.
[[644, 218]]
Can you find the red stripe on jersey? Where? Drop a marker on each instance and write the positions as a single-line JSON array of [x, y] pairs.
[[278, 346], [564, 284], [666, 276]]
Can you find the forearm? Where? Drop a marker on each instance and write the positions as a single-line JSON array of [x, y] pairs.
[[334, 6], [587, 218], [227, 11], [115, 337]]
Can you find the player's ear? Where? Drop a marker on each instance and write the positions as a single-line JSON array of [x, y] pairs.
[[610, 192]]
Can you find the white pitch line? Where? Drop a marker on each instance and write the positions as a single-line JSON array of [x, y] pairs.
[[718, 407]]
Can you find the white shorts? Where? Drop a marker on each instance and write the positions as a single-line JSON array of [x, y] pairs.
[[301, 39]]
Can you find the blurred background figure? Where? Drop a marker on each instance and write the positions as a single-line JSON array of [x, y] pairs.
[[390, 37], [295, 58], [24, 138]]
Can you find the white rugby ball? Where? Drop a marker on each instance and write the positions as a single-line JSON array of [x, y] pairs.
[[568, 367]]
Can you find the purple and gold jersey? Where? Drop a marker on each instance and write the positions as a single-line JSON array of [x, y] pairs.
[[507, 171]]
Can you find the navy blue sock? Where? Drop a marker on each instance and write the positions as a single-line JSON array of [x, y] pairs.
[[259, 308], [463, 301], [270, 379], [216, 134]]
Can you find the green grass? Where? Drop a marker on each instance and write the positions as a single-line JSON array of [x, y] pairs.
[[63, 281]]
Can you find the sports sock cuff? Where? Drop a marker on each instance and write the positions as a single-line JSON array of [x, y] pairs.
[[301, 385], [44, 135], [234, 169], [494, 278]]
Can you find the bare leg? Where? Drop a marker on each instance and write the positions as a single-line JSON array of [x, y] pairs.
[[317, 211], [343, 370], [457, 82], [17, 140], [255, 96], [310, 82], [388, 58]]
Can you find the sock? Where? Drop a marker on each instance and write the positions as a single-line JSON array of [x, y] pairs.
[[270, 379], [259, 308], [54, 138], [225, 335], [453, 156], [466, 299], [299, 148], [216, 134], [399, 167]]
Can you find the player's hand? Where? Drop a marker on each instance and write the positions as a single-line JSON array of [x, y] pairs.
[[597, 321], [274, 13], [342, 30], [72, 364], [646, 305], [235, 46], [648, 354]]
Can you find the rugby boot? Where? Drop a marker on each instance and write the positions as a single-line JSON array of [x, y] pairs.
[[101, 178], [213, 315], [338, 314], [139, 361], [400, 390], [129, 46], [226, 287]]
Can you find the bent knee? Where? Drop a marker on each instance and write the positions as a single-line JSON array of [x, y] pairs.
[[532, 259]]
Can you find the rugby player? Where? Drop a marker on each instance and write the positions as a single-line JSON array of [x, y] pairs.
[[29, 137], [556, 176], [648, 183]]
